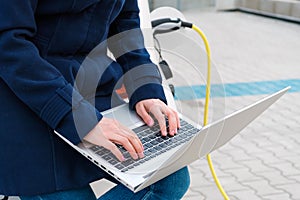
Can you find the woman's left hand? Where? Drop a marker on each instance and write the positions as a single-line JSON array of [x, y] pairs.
[[160, 111]]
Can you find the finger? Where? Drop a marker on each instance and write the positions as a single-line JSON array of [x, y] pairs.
[[172, 122], [126, 144], [142, 112], [158, 114], [178, 120], [136, 144], [129, 141], [126, 132], [134, 141], [114, 149]]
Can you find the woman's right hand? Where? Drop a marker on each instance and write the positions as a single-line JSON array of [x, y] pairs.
[[109, 132]]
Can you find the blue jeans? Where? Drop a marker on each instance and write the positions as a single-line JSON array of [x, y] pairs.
[[173, 186]]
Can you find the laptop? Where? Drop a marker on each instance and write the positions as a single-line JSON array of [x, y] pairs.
[[165, 155]]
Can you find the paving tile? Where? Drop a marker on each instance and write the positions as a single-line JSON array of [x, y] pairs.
[[191, 195], [269, 158], [228, 164], [232, 184], [279, 151], [294, 160], [256, 166], [279, 196], [284, 141], [243, 174], [295, 136], [199, 181], [209, 192], [206, 173], [291, 189], [294, 177], [262, 187], [250, 148], [244, 195], [287, 169], [239, 155], [261, 142], [275, 177]]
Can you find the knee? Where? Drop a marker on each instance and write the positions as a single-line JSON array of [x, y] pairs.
[[173, 186], [182, 182]]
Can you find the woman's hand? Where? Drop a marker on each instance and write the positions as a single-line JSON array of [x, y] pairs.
[[109, 132], [160, 111]]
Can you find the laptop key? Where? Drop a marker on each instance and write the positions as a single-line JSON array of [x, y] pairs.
[[194, 130], [127, 162], [155, 128], [147, 145], [153, 142], [106, 157], [148, 158], [126, 155], [148, 131], [140, 129], [157, 147], [119, 166], [113, 162], [151, 137], [143, 134], [130, 167], [100, 153], [146, 139], [182, 122], [94, 148], [147, 153], [124, 170], [159, 139], [162, 145]]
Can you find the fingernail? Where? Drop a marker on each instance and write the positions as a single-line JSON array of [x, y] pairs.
[[135, 156], [150, 122], [122, 158], [141, 155], [173, 132]]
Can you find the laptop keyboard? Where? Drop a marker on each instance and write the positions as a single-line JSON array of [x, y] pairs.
[[154, 145]]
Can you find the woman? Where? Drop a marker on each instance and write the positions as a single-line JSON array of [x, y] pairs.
[[47, 83]]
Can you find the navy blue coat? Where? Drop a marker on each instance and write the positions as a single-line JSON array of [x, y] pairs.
[[43, 47]]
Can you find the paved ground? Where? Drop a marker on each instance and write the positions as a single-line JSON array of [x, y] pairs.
[[262, 162]]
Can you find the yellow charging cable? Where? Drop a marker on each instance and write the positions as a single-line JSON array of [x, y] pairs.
[[205, 121]]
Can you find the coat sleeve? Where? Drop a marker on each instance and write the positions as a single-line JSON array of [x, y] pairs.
[[142, 78], [35, 81]]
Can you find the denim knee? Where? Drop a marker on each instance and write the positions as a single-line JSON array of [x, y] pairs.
[[173, 186]]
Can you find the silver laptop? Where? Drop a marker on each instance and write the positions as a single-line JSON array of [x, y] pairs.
[[165, 155]]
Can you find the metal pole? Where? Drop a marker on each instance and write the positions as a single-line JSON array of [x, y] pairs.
[[179, 4], [151, 4]]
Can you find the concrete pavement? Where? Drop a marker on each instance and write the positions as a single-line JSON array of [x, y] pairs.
[[262, 162]]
